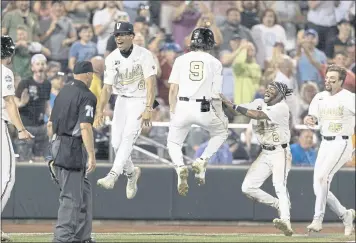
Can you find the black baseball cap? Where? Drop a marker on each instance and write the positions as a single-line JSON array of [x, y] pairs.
[[83, 67], [123, 27]]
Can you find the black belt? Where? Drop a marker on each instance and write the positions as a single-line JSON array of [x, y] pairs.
[[330, 138], [187, 99], [272, 147]]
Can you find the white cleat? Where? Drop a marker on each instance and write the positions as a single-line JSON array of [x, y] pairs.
[[182, 185], [108, 182], [131, 186], [348, 220], [315, 226], [5, 237], [199, 168], [284, 226]]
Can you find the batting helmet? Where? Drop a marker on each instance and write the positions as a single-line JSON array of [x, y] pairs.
[[7, 46], [202, 38]]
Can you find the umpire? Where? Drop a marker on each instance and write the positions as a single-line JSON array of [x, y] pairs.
[[72, 147]]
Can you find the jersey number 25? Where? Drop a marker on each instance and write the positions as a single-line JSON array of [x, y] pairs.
[[196, 70]]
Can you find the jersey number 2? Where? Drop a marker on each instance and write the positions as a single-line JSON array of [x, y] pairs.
[[90, 111], [196, 70]]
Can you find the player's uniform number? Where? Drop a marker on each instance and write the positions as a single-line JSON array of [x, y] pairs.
[[335, 127], [89, 111], [196, 70], [275, 137]]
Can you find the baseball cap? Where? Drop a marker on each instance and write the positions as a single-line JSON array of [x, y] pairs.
[[311, 32], [123, 27], [83, 67], [38, 57]]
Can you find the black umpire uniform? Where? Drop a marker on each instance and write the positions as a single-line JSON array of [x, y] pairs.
[[75, 104]]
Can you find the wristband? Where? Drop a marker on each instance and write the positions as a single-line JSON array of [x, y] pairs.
[[241, 109]]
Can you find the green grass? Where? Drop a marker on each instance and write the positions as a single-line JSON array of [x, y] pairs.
[[191, 237]]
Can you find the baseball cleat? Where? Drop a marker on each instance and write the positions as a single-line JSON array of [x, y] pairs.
[[315, 226], [348, 220], [182, 185], [200, 178], [108, 181], [284, 226], [131, 186], [199, 168], [5, 237]]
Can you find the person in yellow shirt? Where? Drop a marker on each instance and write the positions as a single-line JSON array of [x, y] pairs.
[[96, 84]]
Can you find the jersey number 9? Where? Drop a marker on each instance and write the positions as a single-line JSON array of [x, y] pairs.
[[196, 70]]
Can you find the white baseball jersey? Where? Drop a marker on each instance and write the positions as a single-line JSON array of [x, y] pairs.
[[127, 75], [335, 113], [274, 131], [198, 74], [7, 88]]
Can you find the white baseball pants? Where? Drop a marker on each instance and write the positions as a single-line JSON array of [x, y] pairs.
[[7, 165], [332, 155], [277, 163], [188, 113], [125, 129]]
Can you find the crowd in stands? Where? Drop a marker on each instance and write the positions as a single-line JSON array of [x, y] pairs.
[[256, 41]]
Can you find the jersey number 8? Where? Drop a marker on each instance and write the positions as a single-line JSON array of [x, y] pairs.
[[196, 70]]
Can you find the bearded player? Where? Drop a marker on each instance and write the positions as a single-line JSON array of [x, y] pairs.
[[270, 122], [9, 113], [195, 84], [334, 111]]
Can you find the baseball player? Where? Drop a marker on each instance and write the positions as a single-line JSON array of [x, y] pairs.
[[196, 79], [270, 122], [334, 111], [130, 72], [9, 113]]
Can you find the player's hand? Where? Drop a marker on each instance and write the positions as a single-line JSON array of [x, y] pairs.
[[25, 135], [226, 101], [91, 164], [99, 120], [146, 118], [309, 121]]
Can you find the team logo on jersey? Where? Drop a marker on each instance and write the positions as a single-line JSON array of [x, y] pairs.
[[259, 108], [117, 62], [8, 79]]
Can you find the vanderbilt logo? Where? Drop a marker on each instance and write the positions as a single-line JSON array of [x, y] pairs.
[[125, 77], [330, 113]]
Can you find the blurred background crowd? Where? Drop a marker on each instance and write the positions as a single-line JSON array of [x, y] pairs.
[[256, 41]]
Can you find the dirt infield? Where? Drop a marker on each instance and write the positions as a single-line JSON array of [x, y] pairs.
[[164, 227]]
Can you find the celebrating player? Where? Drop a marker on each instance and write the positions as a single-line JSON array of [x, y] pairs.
[[130, 72], [270, 122], [9, 113], [194, 82], [334, 111]]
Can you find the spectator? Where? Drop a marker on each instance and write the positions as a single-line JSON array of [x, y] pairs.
[[227, 57], [96, 83], [104, 21], [232, 26], [167, 11], [339, 60], [195, 138], [307, 92], [158, 41], [132, 7], [339, 42], [42, 9], [24, 50], [20, 16], [58, 34], [350, 60], [321, 17], [79, 11], [249, 13], [185, 19], [144, 11], [33, 100], [303, 153], [247, 74], [305, 69], [57, 83], [52, 69], [169, 53], [266, 35], [222, 157], [142, 26], [83, 49], [219, 8]]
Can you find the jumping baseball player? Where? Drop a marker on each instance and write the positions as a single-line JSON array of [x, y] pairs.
[[130, 72], [9, 113], [194, 82], [334, 111], [270, 122]]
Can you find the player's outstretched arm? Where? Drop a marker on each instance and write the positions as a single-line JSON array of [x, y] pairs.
[[147, 114], [172, 97], [103, 100]]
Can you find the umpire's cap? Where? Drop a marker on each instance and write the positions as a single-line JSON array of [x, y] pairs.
[[7, 46], [202, 38], [123, 28], [83, 67]]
